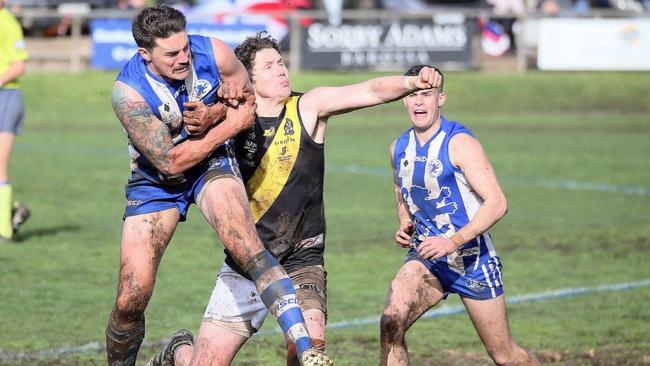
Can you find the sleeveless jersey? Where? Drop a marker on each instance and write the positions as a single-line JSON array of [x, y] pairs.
[[437, 194], [166, 100], [283, 170]]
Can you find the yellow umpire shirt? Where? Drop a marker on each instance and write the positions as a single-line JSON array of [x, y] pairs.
[[12, 44]]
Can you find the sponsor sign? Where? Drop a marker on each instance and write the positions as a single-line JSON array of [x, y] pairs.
[[113, 44], [385, 45], [594, 44]]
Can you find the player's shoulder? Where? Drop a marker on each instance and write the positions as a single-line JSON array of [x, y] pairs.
[[402, 140], [199, 42], [123, 92], [211, 44], [453, 128], [405, 135]]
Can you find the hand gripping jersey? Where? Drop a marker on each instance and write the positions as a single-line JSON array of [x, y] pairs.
[[438, 195], [166, 102], [283, 169]]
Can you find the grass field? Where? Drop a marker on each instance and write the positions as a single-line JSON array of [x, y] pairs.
[[571, 150]]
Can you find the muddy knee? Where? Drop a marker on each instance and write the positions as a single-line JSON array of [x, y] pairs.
[[130, 306], [392, 328]]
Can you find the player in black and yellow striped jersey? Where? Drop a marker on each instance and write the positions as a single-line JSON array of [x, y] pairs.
[[281, 160], [283, 168]]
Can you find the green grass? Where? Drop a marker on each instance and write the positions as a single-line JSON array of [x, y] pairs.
[[70, 166]]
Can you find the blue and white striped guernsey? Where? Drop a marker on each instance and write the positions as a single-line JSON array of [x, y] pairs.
[[166, 99], [438, 195]]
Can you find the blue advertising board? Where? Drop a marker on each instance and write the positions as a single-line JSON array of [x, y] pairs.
[[113, 44]]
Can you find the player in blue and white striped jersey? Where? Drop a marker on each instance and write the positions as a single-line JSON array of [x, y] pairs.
[[158, 93], [447, 198]]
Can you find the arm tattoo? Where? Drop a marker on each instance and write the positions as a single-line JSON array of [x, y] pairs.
[[147, 133]]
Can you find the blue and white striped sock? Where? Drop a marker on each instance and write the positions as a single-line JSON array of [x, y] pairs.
[[279, 296]]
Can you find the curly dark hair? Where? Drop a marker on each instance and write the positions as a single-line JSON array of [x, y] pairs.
[[247, 50], [156, 22], [415, 71]]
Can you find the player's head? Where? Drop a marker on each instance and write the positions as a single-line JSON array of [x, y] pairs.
[[162, 41], [260, 54], [424, 105]]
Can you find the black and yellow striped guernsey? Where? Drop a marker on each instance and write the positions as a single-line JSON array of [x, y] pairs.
[[283, 170]]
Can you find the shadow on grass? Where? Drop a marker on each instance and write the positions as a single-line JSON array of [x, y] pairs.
[[25, 235]]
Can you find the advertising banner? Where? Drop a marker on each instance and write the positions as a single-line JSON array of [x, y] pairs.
[[594, 44], [113, 44], [388, 45]]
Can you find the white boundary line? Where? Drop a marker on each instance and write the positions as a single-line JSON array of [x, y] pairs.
[[515, 300], [95, 347]]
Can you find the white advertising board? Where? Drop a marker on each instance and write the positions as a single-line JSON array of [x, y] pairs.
[[594, 44]]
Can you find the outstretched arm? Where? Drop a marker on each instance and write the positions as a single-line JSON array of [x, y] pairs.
[[328, 101], [406, 228], [153, 139]]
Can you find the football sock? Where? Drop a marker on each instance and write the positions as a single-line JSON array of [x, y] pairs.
[[6, 228], [122, 347], [279, 296]]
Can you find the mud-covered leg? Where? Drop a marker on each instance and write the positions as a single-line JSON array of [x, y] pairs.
[[413, 291], [144, 239], [224, 204]]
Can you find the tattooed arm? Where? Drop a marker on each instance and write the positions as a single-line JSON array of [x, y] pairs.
[[153, 139]]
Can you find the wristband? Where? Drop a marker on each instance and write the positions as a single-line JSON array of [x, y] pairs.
[[409, 83], [457, 239]]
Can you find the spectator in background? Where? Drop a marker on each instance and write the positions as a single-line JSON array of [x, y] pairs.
[[497, 33], [12, 65]]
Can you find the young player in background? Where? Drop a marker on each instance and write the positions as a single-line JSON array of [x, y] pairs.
[[447, 198]]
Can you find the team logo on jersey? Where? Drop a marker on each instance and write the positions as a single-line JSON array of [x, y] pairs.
[[201, 89], [269, 132], [434, 167], [288, 127]]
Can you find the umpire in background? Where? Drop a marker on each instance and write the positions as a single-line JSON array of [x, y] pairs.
[[12, 65]]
